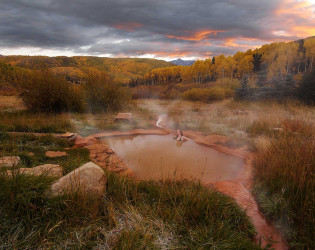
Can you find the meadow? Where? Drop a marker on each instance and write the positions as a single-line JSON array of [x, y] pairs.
[[281, 136]]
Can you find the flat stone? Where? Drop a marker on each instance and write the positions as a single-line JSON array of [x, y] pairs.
[[124, 117], [84, 142], [89, 179], [53, 154], [9, 161], [69, 136], [51, 170], [106, 158]]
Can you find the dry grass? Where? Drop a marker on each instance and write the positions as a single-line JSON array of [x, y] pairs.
[[227, 117], [23, 121], [11, 103], [285, 184]]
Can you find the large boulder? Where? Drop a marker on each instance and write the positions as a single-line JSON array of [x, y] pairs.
[[9, 161], [51, 170], [89, 179]]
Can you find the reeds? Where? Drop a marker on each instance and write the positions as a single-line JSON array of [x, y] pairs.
[[286, 170]]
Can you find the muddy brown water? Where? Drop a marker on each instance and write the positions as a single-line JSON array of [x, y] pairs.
[[161, 157]]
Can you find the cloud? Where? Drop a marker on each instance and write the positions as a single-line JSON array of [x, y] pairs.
[[164, 28]]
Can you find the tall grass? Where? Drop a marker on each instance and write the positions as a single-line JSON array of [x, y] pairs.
[[285, 184], [131, 215]]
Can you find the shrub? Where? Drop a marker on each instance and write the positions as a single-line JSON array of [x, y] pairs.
[[103, 94], [145, 92], [207, 95], [231, 83], [306, 90], [42, 91]]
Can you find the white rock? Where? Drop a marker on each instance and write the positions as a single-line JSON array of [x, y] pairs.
[[9, 161], [52, 170], [89, 179]]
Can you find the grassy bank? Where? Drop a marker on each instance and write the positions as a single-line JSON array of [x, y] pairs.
[[131, 214], [24, 121], [17, 120], [284, 181], [31, 149]]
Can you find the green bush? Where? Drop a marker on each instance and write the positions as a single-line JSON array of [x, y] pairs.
[[103, 94], [42, 91]]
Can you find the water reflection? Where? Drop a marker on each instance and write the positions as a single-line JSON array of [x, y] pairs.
[[159, 157]]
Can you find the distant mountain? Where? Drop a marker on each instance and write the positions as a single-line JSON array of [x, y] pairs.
[[183, 62]]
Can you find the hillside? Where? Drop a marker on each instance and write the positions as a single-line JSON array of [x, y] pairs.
[[271, 63], [76, 68]]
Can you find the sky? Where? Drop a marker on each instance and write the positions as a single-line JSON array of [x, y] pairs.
[[162, 29]]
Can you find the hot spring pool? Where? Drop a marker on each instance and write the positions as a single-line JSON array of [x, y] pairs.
[[160, 157]]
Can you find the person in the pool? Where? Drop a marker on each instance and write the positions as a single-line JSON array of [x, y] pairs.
[[180, 136]]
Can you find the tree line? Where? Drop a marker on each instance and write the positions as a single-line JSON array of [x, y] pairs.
[[272, 62]]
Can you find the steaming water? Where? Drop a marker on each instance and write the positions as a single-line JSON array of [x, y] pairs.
[[160, 157], [161, 118]]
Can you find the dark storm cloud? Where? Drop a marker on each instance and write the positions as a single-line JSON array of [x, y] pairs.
[[137, 27]]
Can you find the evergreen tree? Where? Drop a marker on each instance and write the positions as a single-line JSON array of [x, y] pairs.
[[306, 90], [244, 92]]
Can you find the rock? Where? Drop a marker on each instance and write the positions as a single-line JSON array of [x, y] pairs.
[[53, 154], [105, 157], [9, 161], [51, 170], [84, 142], [69, 136], [89, 179], [125, 117], [78, 137]]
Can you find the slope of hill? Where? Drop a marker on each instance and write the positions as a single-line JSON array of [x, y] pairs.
[[76, 68], [182, 62]]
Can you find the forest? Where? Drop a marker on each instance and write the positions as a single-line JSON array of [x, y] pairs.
[[273, 61]]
